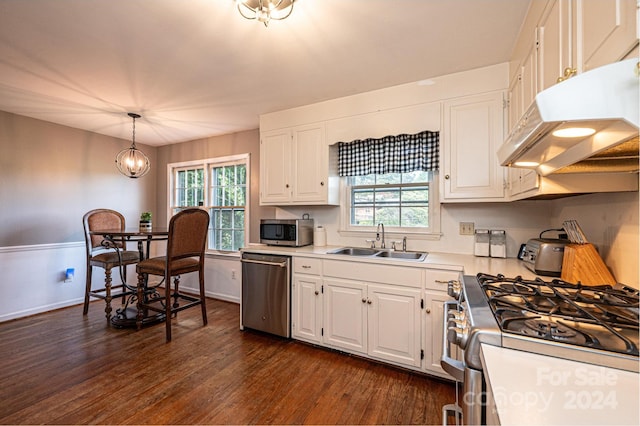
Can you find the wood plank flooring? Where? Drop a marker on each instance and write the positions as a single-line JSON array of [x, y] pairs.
[[62, 368]]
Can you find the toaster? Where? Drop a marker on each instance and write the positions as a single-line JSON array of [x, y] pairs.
[[544, 256]]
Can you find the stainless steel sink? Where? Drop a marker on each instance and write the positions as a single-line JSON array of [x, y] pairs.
[[407, 255], [380, 253], [355, 251]]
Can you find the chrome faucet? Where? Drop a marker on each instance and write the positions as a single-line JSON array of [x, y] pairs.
[[378, 234], [404, 243]]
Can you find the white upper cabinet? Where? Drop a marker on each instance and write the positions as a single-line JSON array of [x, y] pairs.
[[609, 30], [557, 44], [294, 167], [472, 134]]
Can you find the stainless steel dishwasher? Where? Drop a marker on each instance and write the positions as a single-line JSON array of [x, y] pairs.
[[266, 293]]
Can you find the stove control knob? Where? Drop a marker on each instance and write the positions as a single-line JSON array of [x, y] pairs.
[[454, 289], [457, 315], [457, 333]]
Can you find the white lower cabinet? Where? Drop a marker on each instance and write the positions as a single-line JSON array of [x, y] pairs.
[[394, 324], [307, 308], [336, 304], [345, 315]]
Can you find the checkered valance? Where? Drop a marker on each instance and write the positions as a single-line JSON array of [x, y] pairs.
[[391, 154]]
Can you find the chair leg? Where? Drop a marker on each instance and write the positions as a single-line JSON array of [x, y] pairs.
[[107, 288], [176, 283], [202, 299], [87, 290], [140, 296], [167, 312]]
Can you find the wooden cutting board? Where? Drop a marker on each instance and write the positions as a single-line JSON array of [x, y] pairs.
[[582, 263]]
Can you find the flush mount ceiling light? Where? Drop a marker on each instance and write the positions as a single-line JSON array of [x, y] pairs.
[[131, 161], [265, 10]]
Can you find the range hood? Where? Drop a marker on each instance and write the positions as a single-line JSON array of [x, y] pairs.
[[604, 100]]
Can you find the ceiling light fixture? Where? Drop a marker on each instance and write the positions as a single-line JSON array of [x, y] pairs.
[[131, 161], [265, 10]]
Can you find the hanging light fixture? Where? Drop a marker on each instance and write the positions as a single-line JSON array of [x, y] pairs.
[[131, 161], [265, 10]]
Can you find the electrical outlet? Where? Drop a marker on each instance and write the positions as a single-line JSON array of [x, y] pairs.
[[233, 274], [467, 228]]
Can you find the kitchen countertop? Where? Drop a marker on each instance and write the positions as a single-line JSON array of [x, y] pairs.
[[532, 389], [466, 263]]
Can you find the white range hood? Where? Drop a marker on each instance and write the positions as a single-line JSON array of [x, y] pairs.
[[605, 100]]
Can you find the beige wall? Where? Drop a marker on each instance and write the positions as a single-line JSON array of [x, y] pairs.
[[50, 175], [218, 146]]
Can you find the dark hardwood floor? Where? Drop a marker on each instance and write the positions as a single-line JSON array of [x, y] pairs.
[[62, 368]]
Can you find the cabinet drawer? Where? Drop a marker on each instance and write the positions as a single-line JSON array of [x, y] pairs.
[[305, 265], [437, 280]]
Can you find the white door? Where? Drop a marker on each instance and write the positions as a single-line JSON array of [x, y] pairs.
[[394, 324], [307, 308], [345, 315], [275, 167]]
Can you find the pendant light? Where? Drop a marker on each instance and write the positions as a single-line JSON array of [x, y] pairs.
[[131, 161]]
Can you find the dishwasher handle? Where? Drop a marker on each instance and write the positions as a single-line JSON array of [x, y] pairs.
[[262, 262]]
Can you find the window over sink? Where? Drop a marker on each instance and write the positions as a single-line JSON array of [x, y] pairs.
[[220, 186], [391, 180]]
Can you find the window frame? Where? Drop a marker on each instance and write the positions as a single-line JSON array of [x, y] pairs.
[[426, 233], [208, 164]]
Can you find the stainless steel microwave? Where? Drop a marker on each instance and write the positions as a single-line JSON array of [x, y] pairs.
[[286, 232]]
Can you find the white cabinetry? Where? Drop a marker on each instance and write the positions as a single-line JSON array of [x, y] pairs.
[[307, 300], [294, 167], [609, 30], [473, 132], [345, 315], [386, 312]]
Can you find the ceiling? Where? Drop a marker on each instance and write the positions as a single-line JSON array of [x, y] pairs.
[[196, 68]]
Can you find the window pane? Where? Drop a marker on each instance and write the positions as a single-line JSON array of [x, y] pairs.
[[395, 199], [388, 215], [238, 219], [362, 216], [415, 216]]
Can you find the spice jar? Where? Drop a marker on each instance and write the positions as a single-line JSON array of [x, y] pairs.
[[498, 241], [481, 247]]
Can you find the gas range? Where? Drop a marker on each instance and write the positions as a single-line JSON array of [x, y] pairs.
[[592, 324]]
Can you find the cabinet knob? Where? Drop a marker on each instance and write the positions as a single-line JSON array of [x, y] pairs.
[[321, 183], [568, 72], [317, 292], [368, 302], [306, 266], [364, 300], [286, 185], [446, 176], [428, 310]]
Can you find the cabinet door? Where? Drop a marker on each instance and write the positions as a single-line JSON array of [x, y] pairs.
[[275, 167], [394, 324], [609, 30], [434, 327], [307, 308], [311, 165], [345, 315], [556, 43], [473, 134]]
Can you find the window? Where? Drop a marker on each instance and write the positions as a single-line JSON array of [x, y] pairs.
[[395, 199], [391, 181], [220, 186]]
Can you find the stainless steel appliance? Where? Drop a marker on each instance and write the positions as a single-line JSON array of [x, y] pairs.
[[544, 256], [591, 324], [286, 232], [266, 293]]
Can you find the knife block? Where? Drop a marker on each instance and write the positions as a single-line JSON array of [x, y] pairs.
[[581, 262]]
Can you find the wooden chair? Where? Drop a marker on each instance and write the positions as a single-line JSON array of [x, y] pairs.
[[105, 256], [185, 253]]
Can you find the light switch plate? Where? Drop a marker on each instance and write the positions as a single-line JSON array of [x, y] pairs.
[[467, 228]]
